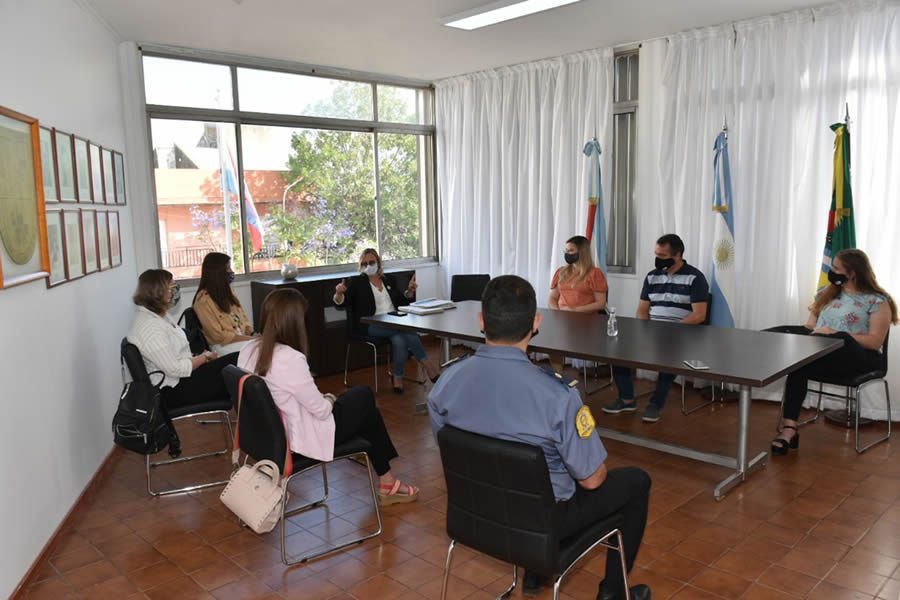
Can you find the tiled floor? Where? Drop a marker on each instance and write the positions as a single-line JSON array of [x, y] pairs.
[[821, 523]]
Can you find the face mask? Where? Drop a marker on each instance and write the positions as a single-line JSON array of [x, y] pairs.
[[370, 270], [664, 264], [837, 279], [571, 259], [176, 295], [229, 277]]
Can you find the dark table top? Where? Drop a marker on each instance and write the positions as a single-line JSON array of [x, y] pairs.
[[741, 356]]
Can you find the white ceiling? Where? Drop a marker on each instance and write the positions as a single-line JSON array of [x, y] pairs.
[[404, 37]]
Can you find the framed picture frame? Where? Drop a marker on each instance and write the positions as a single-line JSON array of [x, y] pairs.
[[96, 174], [115, 240], [109, 185], [82, 170], [57, 247], [103, 239], [23, 227], [65, 166], [48, 166], [89, 240], [72, 242], [119, 162]]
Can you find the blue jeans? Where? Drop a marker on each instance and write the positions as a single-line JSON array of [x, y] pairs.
[[622, 375], [402, 343]]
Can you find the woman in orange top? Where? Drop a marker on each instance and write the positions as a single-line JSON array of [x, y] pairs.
[[579, 286]]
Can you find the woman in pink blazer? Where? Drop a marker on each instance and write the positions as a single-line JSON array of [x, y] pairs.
[[317, 422]]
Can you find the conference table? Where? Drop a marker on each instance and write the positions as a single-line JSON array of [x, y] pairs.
[[738, 356]]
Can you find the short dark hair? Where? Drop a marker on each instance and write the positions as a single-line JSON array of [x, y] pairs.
[[508, 306], [673, 242], [151, 290]]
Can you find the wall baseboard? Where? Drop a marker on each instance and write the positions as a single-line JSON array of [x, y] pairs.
[[44, 555]]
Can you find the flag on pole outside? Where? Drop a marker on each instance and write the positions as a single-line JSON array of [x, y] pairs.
[[596, 225], [254, 225], [722, 289], [841, 232]]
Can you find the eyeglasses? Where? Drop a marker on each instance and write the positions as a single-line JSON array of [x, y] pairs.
[[371, 263]]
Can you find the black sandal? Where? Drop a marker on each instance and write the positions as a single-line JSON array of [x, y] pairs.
[[781, 446]]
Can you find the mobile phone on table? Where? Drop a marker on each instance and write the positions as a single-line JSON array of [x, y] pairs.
[[697, 365], [397, 313]]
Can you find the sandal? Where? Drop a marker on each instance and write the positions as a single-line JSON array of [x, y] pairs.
[[393, 495], [781, 446]]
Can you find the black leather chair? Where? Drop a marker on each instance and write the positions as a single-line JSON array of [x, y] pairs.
[[850, 415], [262, 436], [194, 331], [375, 343], [500, 502], [467, 287], [134, 362]]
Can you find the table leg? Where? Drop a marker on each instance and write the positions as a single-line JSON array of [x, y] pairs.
[[445, 349], [744, 468]]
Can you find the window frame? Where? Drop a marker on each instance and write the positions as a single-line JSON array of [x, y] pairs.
[[237, 118]]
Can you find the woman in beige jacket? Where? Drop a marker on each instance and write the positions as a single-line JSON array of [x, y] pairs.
[[222, 318]]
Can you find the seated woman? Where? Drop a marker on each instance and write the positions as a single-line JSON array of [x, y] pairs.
[[579, 286], [855, 308], [374, 293], [164, 346], [222, 318], [316, 423]]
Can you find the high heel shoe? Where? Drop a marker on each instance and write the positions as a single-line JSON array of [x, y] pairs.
[[781, 446]]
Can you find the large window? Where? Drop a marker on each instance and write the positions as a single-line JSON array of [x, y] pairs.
[[271, 166], [621, 238]]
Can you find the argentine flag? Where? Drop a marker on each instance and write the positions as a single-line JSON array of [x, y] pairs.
[[723, 295], [596, 225]]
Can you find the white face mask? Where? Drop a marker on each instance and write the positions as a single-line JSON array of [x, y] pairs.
[[370, 270]]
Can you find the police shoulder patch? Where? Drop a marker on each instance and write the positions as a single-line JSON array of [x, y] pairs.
[[584, 422], [566, 381], [454, 361]]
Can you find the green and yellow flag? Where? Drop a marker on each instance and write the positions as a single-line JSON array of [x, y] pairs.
[[841, 228]]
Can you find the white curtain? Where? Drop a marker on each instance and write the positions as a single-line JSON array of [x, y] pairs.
[[781, 81], [512, 179]]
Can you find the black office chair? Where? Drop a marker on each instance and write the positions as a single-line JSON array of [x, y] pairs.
[[375, 343], [262, 436], [849, 415], [193, 329], [134, 362], [500, 502], [467, 287]]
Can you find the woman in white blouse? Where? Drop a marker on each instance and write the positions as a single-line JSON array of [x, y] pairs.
[[164, 346], [374, 293]]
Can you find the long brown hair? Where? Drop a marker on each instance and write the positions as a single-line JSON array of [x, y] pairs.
[[213, 279], [282, 320], [854, 261], [151, 290], [582, 267]]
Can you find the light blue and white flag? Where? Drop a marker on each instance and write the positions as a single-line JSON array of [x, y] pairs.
[[723, 294], [596, 225]]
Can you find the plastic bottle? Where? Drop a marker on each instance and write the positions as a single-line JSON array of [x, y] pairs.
[[612, 326]]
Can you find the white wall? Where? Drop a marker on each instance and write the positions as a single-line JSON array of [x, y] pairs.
[[60, 367]]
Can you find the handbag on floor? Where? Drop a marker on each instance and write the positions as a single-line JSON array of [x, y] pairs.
[[255, 492]]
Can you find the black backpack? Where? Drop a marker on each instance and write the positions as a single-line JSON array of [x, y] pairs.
[[194, 331], [140, 422]]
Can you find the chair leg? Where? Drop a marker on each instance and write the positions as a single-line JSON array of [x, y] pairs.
[[447, 569], [888, 404], [226, 421], [512, 586], [375, 363], [346, 362], [286, 514], [684, 409], [599, 388]]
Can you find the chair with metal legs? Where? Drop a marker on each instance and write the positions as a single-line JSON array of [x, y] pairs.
[[132, 360], [376, 344], [500, 502], [262, 436]]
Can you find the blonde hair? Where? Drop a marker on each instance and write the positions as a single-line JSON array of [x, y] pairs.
[[582, 267], [377, 257]]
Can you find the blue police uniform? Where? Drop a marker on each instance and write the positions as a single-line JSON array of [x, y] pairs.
[[500, 393]]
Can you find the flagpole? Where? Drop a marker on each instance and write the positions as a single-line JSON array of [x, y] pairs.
[[220, 144]]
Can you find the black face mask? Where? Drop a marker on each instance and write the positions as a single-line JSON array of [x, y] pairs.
[[571, 259], [837, 279], [664, 264]]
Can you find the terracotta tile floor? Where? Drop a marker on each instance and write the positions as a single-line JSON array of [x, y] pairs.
[[820, 523]]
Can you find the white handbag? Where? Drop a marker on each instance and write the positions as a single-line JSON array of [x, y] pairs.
[[255, 494]]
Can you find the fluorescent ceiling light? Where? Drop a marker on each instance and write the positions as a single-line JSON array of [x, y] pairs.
[[498, 12]]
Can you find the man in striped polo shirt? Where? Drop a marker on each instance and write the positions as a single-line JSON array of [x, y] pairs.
[[673, 291]]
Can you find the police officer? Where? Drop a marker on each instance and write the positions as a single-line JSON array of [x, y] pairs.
[[498, 392]]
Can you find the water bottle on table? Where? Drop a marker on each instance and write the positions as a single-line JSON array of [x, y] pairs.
[[612, 326]]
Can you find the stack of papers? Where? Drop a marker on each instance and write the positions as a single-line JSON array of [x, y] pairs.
[[428, 306]]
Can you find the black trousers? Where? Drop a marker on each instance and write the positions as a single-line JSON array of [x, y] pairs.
[[626, 490], [355, 414], [204, 385], [849, 360]]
